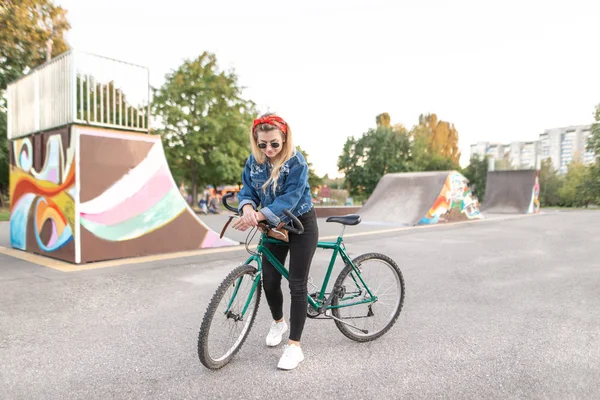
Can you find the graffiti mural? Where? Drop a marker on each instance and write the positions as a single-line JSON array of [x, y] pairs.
[[129, 203], [42, 192], [454, 203], [534, 205]]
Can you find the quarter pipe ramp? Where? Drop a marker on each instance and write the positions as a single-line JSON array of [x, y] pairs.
[[84, 194], [512, 192], [417, 198]]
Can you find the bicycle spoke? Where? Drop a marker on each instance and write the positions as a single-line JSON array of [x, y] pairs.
[[384, 283], [224, 328]]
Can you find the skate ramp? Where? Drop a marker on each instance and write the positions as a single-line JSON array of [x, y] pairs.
[[83, 194], [417, 198], [512, 192]]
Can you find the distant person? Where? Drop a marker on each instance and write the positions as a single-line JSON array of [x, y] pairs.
[[276, 178], [213, 205], [202, 206]]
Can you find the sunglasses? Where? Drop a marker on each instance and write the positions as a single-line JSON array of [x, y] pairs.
[[273, 145]]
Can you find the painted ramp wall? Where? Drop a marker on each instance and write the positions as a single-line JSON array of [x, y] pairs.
[[455, 202], [417, 198], [129, 204], [82, 194], [512, 192], [43, 194]]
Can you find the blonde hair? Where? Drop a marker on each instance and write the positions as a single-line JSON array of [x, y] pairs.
[[287, 150]]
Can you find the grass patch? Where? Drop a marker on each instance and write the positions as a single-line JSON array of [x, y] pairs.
[[4, 214]]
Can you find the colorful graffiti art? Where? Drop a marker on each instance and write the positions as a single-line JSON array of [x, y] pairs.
[[129, 203], [42, 192], [454, 203], [534, 206]]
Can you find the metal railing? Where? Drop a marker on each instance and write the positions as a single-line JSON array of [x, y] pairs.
[[79, 87]]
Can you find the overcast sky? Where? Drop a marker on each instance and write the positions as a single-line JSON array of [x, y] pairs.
[[500, 72]]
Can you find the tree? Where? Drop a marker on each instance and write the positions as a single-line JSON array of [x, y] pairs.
[[590, 187], [594, 139], [572, 193], [476, 173], [205, 123], [591, 183], [383, 119], [334, 183], [378, 152], [4, 152], [503, 164], [422, 156], [28, 28], [314, 180], [4, 155], [443, 137], [550, 184]]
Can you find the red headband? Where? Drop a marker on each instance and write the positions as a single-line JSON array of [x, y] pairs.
[[271, 120]]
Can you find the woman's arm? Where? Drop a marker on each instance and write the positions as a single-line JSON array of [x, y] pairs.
[[247, 194]]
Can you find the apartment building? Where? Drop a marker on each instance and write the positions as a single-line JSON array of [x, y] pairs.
[[561, 145], [519, 155]]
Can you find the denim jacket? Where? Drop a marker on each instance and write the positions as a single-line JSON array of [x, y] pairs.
[[292, 193]]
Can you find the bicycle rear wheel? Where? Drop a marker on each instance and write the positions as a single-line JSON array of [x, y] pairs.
[[384, 279], [224, 329]]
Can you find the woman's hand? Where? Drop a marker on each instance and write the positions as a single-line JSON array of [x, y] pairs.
[[249, 218]]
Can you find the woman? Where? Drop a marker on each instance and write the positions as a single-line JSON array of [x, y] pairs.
[[276, 178]]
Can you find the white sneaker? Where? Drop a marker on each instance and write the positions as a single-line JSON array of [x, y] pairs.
[[292, 356], [276, 332]]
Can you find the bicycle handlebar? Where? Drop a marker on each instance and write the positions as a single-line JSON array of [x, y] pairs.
[[287, 227]]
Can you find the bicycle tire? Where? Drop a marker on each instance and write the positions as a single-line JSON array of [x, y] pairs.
[[345, 329], [209, 316]]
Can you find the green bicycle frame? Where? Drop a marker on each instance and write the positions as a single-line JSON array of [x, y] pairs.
[[338, 250]]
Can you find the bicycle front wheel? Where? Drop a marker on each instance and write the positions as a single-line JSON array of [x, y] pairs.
[[229, 317], [368, 315]]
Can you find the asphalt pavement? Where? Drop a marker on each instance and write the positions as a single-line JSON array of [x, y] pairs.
[[496, 309]]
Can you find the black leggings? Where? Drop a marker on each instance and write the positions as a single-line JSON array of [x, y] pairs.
[[302, 248]]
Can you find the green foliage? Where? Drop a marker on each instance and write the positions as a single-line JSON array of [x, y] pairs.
[[550, 184], [4, 214], [205, 123], [476, 173], [4, 155], [4, 148], [571, 192], [442, 137], [337, 183], [425, 154], [389, 149], [590, 186], [594, 139], [383, 119], [27, 26], [314, 180], [378, 152], [503, 164]]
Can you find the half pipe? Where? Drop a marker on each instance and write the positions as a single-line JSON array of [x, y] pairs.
[[417, 198]]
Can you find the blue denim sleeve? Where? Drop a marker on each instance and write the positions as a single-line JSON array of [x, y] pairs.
[[294, 187], [247, 194]]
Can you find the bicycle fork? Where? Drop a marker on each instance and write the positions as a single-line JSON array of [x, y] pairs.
[[256, 278]]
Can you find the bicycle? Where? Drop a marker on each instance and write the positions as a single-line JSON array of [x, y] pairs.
[[239, 311]]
